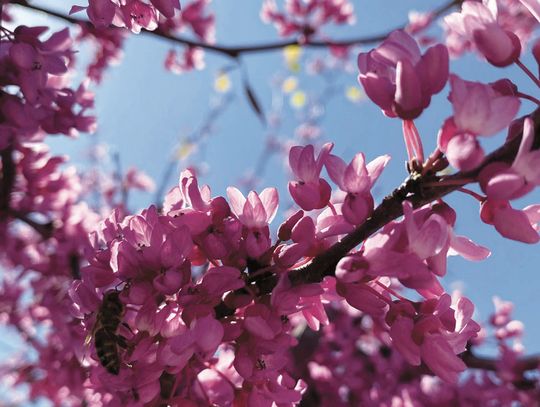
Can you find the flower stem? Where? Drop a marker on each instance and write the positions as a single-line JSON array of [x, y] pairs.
[[528, 72]]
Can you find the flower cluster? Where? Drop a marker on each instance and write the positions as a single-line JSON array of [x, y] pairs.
[[202, 300], [305, 18], [45, 102], [132, 14]]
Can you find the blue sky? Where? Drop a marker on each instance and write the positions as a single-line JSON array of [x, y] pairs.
[[143, 110]]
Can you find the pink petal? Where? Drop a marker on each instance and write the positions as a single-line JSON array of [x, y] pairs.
[[76, 9], [401, 334], [376, 167], [379, 89], [270, 200], [254, 212], [440, 358], [503, 111], [237, 201], [355, 178], [434, 67], [335, 167], [165, 7], [23, 55], [533, 6], [408, 90], [469, 249], [515, 225], [431, 238], [258, 326], [504, 185], [101, 12]]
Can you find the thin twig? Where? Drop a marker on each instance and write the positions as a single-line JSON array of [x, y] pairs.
[[236, 51]]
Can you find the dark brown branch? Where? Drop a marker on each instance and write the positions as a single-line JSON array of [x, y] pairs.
[[235, 51], [484, 363], [414, 190], [391, 208], [7, 180], [46, 230]]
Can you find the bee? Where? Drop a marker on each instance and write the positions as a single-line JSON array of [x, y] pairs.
[[106, 338]]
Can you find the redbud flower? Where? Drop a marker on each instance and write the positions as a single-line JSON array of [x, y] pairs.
[[399, 79], [309, 191], [502, 182], [533, 6], [477, 24], [356, 179], [479, 110]]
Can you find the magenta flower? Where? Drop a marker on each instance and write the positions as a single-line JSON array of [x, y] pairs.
[[477, 25], [533, 6], [434, 334], [309, 191], [133, 14], [512, 223], [399, 79], [502, 182], [257, 210], [255, 213], [479, 110], [356, 179]]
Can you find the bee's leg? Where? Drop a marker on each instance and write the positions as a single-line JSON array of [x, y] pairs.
[[128, 327], [121, 341]]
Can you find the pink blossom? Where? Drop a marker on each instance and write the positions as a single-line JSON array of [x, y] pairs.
[[502, 182], [509, 222], [399, 79], [133, 14], [477, 24], [479, 110], [138, 180], [356, 179], [434, 334], [533, 6], [306, 18], [309, 191]]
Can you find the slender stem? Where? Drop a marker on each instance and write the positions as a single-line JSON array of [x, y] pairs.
[[476, 196], [236, 51], [528, 97], [389, 290], [435, 155], [528, 72]]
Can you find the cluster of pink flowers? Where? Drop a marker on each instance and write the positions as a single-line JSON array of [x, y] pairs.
[[45, 103], [211, 305], [186, 277], [305, 18], [196, 18], [132, 14]]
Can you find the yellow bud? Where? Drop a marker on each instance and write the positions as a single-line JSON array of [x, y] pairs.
[[354, 94], [222, 83], [289, 84], [292, 54], [298, 99], [184, 150]]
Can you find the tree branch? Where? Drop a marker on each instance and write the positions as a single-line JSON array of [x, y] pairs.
[[235, 51], [8, 179], [484, 363], [413, 190]]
